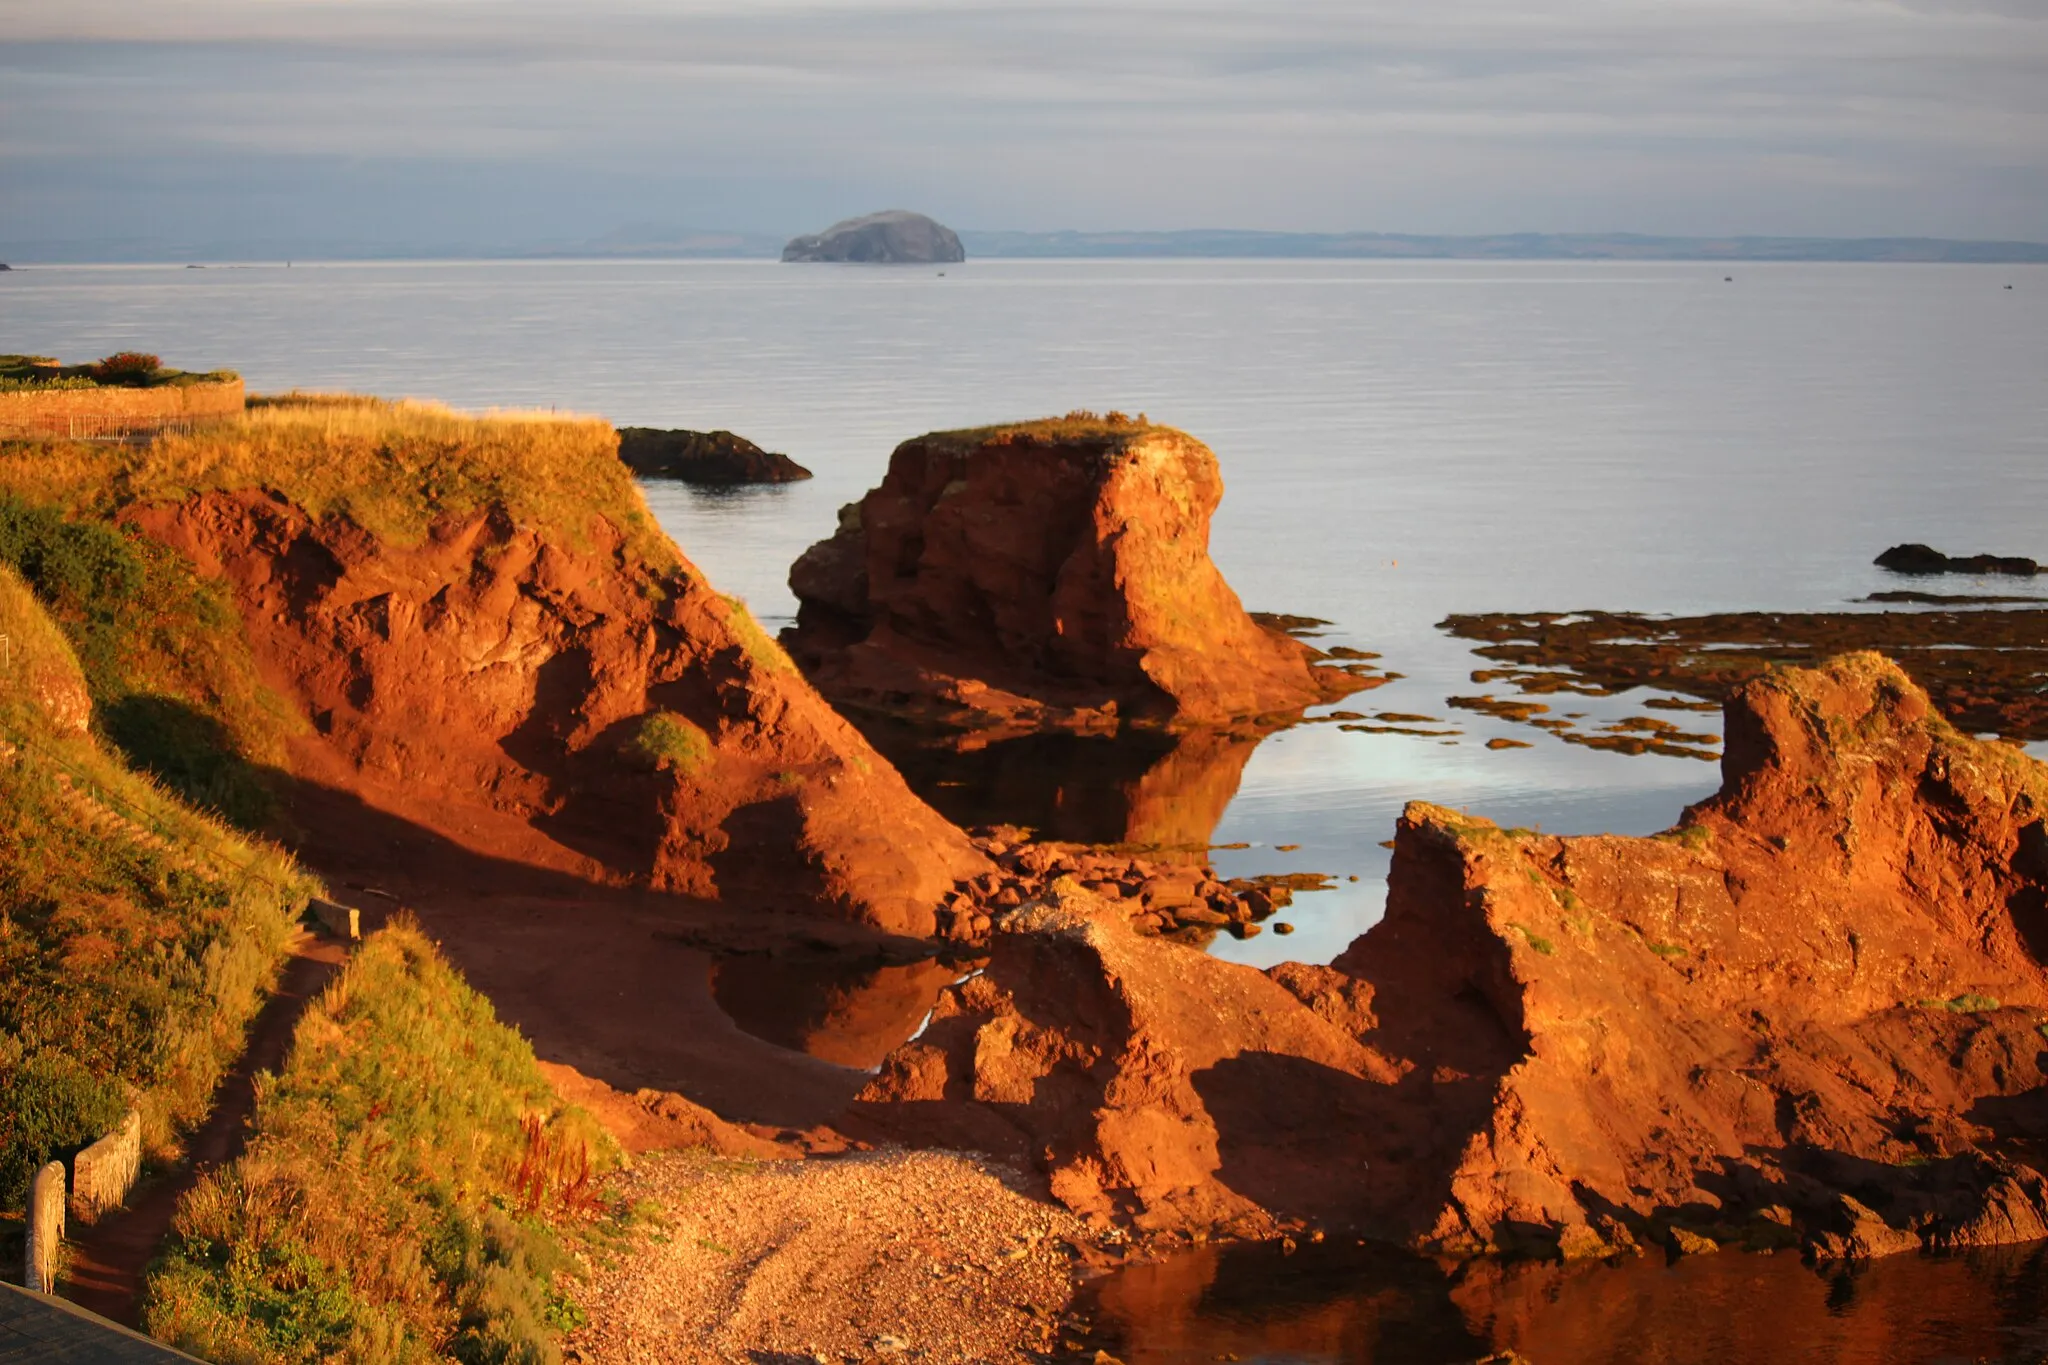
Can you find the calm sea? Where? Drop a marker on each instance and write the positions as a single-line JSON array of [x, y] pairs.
[[1400, 441]]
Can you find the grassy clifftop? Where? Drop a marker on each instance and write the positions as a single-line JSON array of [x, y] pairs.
[[137, 936], [392, 468], [404, 1191]]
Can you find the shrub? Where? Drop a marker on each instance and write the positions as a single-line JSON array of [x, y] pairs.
[[50, 1106], [670, 742], [131, 368]]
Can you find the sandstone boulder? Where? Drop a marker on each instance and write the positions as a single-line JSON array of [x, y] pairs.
[[1052, 574]]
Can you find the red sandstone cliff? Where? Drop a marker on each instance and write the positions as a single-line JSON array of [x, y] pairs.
[[1049, 574], [495, 683], [1812, 1013]]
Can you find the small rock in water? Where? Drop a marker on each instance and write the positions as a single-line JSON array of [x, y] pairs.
[[1283, 927]]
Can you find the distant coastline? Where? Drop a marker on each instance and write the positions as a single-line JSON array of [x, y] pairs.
[[993, 244]]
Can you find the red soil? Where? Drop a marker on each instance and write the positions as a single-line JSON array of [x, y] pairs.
[[490, 683]]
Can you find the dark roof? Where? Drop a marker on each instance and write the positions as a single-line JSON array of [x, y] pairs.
[[37, 1328]]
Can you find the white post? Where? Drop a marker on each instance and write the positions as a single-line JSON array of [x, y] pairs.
[[45, 1228]]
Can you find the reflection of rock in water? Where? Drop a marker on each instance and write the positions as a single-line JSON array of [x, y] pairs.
[[849, 1012], [1140, 787], [1378, 1304]]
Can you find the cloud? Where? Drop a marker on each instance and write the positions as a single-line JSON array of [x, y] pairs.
[[1847, 116]]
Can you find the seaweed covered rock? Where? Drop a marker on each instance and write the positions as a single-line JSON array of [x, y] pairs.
[[715, 458], [1051, 574]]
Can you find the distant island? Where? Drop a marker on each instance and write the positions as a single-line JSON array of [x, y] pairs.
[[892, 237]]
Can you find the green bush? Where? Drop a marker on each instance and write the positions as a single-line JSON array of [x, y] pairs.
[[50, 1106], [671, 742]]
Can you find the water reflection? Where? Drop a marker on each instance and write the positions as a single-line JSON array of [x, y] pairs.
[[1381, 1306], [1141, 787], [848, 1011]]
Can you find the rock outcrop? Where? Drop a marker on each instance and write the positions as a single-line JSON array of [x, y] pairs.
[[1132, 1071], [1810, 1014], [717, 458], [892, 237], [569, 705], [1053, 574], [1916, 558]]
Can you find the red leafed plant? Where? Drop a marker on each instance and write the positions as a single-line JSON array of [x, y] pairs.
[[126, 367]]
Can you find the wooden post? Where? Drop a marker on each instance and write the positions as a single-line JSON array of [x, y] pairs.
[[45, 1228]]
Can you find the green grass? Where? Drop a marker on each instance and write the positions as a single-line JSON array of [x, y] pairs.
[[1535, 940], [1078, 425], [767, 655], [137, 936], [670, 742], [164, 654], [404, 1194], [27, 373]]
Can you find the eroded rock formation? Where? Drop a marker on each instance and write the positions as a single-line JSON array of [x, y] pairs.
[[1053, 574], [1812, 1013], [568, 705]]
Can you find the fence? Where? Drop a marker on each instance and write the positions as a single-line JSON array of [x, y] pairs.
[[100, 413]]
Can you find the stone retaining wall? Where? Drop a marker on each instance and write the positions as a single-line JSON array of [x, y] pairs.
[[115, 411], [103, 1173]]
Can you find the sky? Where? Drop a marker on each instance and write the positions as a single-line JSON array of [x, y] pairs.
[[496, 123]]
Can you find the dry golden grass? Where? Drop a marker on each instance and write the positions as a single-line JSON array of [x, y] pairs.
[[1078, 425], [391, 467]]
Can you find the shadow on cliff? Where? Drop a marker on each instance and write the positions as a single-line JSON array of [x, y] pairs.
[[613, 980]]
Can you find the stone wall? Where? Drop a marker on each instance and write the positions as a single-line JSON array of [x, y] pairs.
[[115, 411], [103, 1173]]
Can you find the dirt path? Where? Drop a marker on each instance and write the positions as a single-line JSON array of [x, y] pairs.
[[108, 1257]]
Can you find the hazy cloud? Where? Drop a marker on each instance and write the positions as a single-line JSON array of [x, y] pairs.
[[497, 117]]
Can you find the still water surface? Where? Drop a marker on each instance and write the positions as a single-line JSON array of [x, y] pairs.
[[1400, 441]]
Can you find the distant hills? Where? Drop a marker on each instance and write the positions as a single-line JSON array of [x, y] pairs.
[[653, 241], [1512, 246]]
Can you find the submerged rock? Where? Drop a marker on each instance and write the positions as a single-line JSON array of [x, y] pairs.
[[892, 237], [705, 457], [1810, 1014], [1050, 574]]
